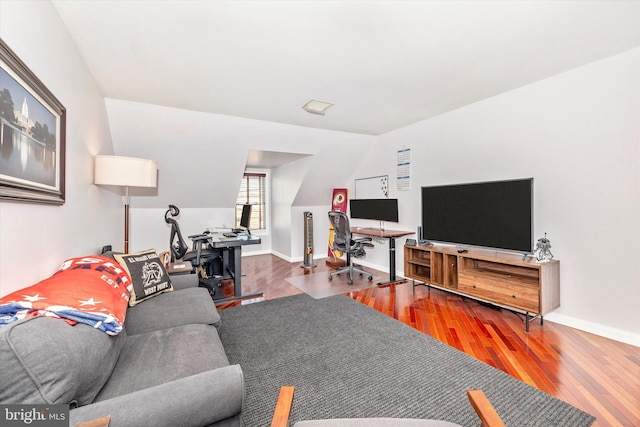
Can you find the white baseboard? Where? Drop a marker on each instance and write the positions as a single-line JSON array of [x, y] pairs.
[[595, 328], [316, 259], [283, 256], [251, 253]]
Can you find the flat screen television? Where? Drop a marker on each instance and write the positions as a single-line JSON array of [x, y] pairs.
[[378, 209], [497, 215]]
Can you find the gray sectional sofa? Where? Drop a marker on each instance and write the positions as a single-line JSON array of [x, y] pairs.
[[167, 368]]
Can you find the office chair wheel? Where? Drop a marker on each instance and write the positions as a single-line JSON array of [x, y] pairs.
[[330, 277], [350, 282], [370, 278]]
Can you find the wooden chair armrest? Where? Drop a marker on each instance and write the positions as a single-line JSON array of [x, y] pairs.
[[487, 414], [98, 422], [283, 407]]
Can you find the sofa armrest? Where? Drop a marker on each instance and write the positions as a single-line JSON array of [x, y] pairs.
[[197, 401]]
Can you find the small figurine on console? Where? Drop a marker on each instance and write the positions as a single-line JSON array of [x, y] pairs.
[[543, 248]]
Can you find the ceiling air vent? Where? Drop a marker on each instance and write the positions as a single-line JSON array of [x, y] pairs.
[[317, 107]]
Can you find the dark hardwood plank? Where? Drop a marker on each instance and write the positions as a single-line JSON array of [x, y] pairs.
[[593, 373]]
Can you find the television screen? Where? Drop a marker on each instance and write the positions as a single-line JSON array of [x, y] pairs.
[[378, 209], [488, 214]]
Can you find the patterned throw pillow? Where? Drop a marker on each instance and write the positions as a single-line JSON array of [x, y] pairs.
[[148, 275]]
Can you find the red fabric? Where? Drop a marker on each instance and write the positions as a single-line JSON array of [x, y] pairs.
[[90, 290], [338, 203]]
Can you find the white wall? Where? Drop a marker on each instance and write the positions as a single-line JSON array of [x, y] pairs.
[[285, 184], [320, 233], [149, 230], [578, 135], [201, 158], [36, 239]]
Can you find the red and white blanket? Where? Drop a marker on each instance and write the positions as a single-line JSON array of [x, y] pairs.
[[90, 290]]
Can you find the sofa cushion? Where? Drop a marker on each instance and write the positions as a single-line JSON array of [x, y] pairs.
[[47, 361], [157, 357], [177, 308], [147, 273]]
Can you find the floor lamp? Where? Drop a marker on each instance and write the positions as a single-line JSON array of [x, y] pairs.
[[125, 172]]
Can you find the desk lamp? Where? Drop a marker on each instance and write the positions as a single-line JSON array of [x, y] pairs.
[[125, 172]]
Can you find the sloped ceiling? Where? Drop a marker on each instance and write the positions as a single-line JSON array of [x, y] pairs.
[[270, 159], [384, 64], [201, 156]]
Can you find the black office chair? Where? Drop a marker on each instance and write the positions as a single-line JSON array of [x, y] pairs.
[[201, 256], [343, 242], [176, 243]]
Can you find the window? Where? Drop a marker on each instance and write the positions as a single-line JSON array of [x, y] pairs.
[[253, 190]]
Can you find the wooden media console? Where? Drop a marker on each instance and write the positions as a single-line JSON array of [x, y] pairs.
[[502, 279]]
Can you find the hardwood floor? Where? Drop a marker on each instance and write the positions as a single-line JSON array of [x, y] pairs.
[[595, 374]]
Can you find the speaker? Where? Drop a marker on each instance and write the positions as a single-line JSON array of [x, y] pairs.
[[419, 233]]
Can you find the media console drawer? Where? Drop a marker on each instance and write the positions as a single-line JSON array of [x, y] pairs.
[[518, 296]]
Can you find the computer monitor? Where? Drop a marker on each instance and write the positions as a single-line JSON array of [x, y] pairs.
[[378, 209], [245, 217]]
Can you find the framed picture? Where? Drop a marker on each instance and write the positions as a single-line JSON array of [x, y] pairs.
[[32, 135]]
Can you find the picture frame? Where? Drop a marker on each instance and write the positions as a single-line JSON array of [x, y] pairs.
[[32, 135]]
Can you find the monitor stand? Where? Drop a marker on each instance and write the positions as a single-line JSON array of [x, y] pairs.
[[242, 231]]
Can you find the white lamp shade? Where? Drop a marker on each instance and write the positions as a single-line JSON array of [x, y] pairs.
[[125, 171]]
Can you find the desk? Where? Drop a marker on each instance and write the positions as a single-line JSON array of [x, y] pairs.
[[233, 246], [384, 234]]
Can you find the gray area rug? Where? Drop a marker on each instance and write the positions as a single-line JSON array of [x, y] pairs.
[[347, 360]]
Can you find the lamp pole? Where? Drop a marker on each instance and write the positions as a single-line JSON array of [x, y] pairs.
[[126, 219]]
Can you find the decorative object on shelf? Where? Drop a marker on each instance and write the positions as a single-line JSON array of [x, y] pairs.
[[543, 249], [32, 135], [125, 172]]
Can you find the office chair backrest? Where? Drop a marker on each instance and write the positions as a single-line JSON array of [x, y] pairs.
[[341, 230], [176, 241]]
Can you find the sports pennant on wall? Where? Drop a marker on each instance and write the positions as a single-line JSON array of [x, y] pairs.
[[338, 203]]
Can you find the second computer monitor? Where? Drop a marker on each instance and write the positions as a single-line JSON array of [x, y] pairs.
[[377, 209]]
